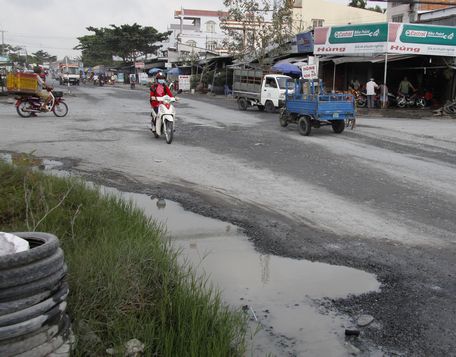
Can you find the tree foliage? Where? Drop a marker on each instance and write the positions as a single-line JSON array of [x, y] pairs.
[[253, 27], [18, 55], [42, 57], [362, 4], [126, 41]]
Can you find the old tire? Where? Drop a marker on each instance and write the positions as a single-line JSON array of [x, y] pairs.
[[35, 287], [10, 306], [338, 126], [42, 246], [242, 104], [269, 106], [304, 125], [37, 309], [33, 271], [23, 344]]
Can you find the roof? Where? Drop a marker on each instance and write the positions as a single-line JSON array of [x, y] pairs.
[[207, 13]]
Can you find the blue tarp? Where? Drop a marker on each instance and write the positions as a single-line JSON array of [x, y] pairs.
[[174, 71], [287, 68]]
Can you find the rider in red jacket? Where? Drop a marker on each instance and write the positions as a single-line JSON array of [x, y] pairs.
[[158, 89]]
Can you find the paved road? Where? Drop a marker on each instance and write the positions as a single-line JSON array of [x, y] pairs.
[[380, 198]]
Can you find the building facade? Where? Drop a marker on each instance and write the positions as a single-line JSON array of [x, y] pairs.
[[308, 14], [400, 12], [199, 29]]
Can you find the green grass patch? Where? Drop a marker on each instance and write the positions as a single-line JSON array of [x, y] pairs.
[[124, 279]]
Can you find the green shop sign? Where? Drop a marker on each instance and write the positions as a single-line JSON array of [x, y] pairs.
[[359, 33], [429, 35]]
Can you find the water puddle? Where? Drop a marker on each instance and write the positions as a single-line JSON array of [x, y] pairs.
[[280, 294]]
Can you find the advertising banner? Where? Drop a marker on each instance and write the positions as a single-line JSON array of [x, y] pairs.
[[310, 71], [351, 39], [394, 38], [422, 39], [304, 42], [184, 82]]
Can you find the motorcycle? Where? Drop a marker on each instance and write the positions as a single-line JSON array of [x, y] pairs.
[[360, 98], [28, 105], [164, 119], [411, 101]]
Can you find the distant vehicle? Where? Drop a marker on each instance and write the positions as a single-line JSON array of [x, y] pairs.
[[69, 73], [255, 88]]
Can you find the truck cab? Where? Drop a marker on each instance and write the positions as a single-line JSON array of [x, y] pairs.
[[265, 91], [274, 88], [69, 74]]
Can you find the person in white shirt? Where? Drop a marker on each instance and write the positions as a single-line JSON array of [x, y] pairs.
[[371, 86]]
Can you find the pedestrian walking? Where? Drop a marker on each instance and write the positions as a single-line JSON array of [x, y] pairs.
[[371, 86]]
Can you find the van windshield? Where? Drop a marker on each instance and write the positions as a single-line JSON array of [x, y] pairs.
[[284, 82]]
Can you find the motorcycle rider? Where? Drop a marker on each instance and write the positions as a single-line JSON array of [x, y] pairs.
[[157, 90], [42, 90]]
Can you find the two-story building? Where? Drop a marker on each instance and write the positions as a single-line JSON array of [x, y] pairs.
[[196, 31], [400, 12], [308, 14]]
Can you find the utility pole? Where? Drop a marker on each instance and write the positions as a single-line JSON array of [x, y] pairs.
[[3, 41]]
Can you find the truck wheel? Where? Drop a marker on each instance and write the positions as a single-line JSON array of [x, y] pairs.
[[269, 106], [304, 126], [338, 126], [242, 104], [260, 108], [283, 119]]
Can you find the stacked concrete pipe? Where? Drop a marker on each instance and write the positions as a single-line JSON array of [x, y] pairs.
[[33, 290]]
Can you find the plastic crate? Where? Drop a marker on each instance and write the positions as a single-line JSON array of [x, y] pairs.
[[21, 82]]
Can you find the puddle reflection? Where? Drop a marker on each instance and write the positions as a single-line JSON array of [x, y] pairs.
[[280, 291]]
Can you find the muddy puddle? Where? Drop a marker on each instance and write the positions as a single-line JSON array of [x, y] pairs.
[[280, 295]]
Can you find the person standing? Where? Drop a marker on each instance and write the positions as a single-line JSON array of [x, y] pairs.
[[405, 86], [371, 86]]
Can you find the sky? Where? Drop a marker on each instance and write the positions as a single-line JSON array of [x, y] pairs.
[[54, 25]]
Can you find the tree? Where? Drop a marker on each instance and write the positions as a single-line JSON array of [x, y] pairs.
[[126, 41], [254, 27], [358, 3], [42, 56]]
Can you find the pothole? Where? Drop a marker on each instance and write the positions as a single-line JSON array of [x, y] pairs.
[[281, 295]]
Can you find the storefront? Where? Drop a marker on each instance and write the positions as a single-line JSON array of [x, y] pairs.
[[388, 52]]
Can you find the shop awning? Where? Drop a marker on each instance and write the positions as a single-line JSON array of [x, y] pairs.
[[371, 59]]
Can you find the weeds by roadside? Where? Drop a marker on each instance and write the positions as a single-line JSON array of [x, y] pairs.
[[125, 281]]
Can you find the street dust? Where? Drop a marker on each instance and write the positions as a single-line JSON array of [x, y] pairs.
[[281, 295]]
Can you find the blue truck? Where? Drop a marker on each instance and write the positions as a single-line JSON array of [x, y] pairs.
[[309, 106]]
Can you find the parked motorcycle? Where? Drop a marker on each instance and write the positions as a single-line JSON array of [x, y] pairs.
[[360, 98], [164, 119], [27, 105], [411, 101]]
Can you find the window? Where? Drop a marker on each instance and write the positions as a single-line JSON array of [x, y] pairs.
[[211, 45], [396, 4], [210, 26], [270, 82], [191, 43], [317, 23], [397, 18]]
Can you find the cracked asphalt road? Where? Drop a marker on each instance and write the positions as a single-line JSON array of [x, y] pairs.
[[380, 198]]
